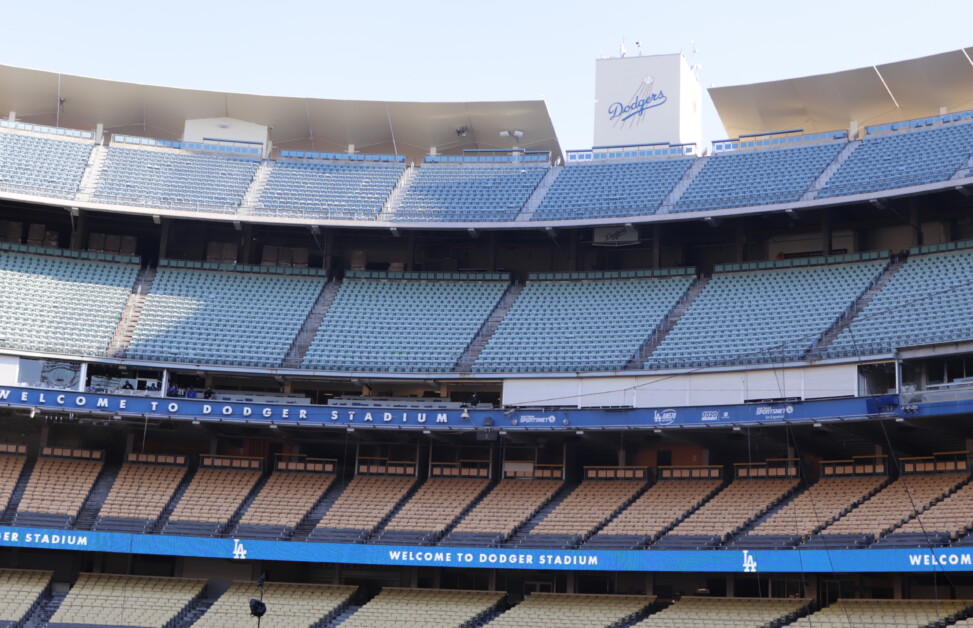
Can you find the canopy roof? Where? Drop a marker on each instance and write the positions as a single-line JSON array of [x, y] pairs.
[[408, 128], [891, 92]]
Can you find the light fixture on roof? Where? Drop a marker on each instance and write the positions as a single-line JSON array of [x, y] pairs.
[[516, 133], [462, 131]]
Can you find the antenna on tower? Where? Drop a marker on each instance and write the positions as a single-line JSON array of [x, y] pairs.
[[695, 67]]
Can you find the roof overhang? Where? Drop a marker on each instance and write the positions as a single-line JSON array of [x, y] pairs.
[[388, 127], [891, 92]]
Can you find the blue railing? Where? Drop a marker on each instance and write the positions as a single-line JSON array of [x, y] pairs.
[[601, 153], [777, 138], [50, 130], [919, 122], [232, 147], [300, 154]]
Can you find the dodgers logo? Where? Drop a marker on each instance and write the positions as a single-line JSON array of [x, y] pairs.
[[239, 552], [631, 113], [749, 563]]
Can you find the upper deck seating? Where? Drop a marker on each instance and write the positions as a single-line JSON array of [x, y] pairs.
[[762, 316], [950, 518], [764, 177], [222, 317], [425, 324], [139, 494], [891, 506], [364, 503], [12, 459], [288, 605], [886, 614], [424, 608], [282, 503], [42, 166], [60, 304], [560, 610], [927, 300], [819, 505], [433, 507], [655, 511], [588, 506], [326, 189], [58, 487], [903, 159], [211, 498], [702, 612], [509, 504], [21, 593], [116, 600], [628, 188], [163, 178], [560, 325], [729, 510], [468, 193]]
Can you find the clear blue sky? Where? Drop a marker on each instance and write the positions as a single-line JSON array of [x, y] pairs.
[[458, 51]]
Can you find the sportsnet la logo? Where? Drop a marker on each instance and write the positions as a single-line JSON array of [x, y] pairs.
[[749, 563], [664, 417], [239, 552]]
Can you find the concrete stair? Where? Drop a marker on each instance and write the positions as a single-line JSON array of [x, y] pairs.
[[829, 171], [394, 201], [298, 349], [466, 361], [537, 196], [820, 346], [681, 186], [96, 498], [678, 310], [130, 315], [18, 493]]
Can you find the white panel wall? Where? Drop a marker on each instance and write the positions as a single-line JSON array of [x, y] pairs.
[[9, 369], [224, 129], [691, 389], [646, 100]]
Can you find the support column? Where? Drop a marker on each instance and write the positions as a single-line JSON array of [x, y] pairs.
[[741, 241], [575, 261], [165, 225], [246, 250], [827, 232], [79, 233], [915, 219], [493, 251], [656, 252], [327, 251]]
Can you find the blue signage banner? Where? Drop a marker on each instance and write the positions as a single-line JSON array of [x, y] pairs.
[[714, 561], [452, 419]]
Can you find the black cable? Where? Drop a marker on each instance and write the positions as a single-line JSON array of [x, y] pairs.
[[915, 510], [781, 346]]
